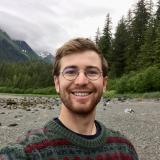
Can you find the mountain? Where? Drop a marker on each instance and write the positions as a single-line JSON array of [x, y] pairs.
[[46, 56], [9, 51], [43, 54], [15, 51], [49, 59], [27, 50]]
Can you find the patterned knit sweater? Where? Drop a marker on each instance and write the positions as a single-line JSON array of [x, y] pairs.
[[55, 142]]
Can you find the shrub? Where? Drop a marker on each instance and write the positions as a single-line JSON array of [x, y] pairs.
[[121, 85], [109, 94], [147, 80], [111, 84], [46, 91]]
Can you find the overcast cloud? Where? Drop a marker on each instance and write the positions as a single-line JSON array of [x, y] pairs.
[[46, 24]]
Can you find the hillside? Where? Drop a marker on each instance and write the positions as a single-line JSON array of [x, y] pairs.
[[27, 50], [15, 51]]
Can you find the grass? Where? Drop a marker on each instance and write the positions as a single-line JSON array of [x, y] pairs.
[[30, 91], [29, 95]]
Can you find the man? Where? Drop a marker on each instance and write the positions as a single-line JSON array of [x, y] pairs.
[[80, 77]]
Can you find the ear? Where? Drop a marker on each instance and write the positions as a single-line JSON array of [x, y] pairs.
[[105, 83], [56, 83]]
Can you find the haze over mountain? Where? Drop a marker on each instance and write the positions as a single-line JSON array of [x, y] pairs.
[[18, 50], [49, 58]]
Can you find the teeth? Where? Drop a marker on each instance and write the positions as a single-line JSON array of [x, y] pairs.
[[81, 94]]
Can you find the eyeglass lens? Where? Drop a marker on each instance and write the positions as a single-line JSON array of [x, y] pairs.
[[91, 73]]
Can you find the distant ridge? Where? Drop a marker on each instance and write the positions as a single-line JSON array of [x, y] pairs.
[[15, 50], [49, 59]]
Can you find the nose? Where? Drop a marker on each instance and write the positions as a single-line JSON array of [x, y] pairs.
[[81, 79]]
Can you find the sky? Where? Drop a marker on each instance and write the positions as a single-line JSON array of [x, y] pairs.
[[46, 24]]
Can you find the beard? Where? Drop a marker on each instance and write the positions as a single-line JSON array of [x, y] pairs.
[[80, 108]]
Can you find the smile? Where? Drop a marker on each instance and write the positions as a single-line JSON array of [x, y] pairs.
[[82, 94]]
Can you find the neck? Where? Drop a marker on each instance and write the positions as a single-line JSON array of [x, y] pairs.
[[78, 123]]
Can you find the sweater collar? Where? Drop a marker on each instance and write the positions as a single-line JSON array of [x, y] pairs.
[[75, 139]]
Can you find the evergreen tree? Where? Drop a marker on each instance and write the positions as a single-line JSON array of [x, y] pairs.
[[138, 28], [156, 47], [149, 5], [158, 12], [147, 54], [129, 20], [119, 49], [97, 37], [130, 46], [106, 39]]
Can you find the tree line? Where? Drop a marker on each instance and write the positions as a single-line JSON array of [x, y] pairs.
[[32, 74], [136, 42]]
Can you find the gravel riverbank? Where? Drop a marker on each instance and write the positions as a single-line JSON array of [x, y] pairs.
[[141, 125]]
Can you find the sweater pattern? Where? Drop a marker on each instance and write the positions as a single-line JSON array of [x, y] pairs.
[[55, 142]]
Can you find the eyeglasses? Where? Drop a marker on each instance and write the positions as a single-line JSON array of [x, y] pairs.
[[71, 73]]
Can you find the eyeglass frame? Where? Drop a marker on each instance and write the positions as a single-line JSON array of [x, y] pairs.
[[78, 72]]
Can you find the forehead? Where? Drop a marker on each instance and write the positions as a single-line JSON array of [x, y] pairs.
[[81, 60]]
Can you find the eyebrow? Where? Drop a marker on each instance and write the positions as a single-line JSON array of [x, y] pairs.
[[71, 66], [92, 67], [74, 66]]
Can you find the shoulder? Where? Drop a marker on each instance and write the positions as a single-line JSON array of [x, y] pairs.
[[116, 139], [111, 134], [108, 131], [18, 149]]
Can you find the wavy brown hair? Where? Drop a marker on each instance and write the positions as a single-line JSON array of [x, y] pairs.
[[75, 46]]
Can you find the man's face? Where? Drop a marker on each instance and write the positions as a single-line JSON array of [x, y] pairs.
[[80, 96]]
